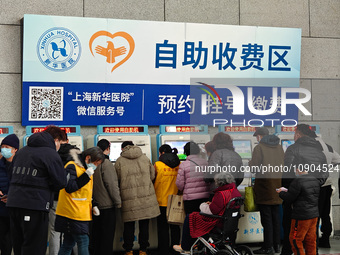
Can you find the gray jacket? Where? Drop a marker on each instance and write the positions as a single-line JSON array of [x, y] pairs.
[[106, 192], [225, 158]]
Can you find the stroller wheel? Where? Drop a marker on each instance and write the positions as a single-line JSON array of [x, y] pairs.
[[244, 250], [224, 252]]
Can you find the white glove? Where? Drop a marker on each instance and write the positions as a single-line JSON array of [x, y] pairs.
[[95, 211], [89, 171]]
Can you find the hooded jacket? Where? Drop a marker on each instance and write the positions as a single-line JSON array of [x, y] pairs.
[[135, 174], [64, 152], [267, 154], [36, 173], [305, 152], [166, 174]]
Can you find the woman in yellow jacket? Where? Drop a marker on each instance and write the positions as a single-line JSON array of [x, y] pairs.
[[165, 185], [74, 210]]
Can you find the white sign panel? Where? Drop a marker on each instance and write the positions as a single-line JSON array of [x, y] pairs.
[[72, 49]]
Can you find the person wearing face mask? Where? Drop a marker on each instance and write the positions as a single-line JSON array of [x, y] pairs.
[[106, 195], [36, 173], [55, 237], [75, 201], [9, 146]]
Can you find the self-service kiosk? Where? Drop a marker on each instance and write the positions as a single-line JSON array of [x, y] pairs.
[[286, 134], [243, 140], [5, 131], [73, 134], [178, 135], [250, 228], [116, 135]]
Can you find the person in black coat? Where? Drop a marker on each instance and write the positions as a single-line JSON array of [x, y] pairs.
[[36, 173], [303, 194], [307, 152]]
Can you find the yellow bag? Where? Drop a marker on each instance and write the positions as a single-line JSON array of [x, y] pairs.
[[175, 210], [249, 200]]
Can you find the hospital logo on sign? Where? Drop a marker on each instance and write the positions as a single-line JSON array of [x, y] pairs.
[[58, 49], [115, 49]]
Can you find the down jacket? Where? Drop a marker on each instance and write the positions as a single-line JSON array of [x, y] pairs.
[[303, 194], [268, 153], [192, 182], [135, 174], [306, 151]]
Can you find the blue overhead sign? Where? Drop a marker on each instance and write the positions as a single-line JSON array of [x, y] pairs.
[[131, 104]]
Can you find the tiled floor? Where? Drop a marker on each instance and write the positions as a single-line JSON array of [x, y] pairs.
[[335, 247], [334, 250]]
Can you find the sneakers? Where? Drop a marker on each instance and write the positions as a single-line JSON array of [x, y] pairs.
[[179, 249], [265, 251]]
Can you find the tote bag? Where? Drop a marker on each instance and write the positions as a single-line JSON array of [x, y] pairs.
[[175, 210]]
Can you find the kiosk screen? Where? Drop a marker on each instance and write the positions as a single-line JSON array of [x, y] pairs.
[[286, 143], [115, 150], [243, 148], [179, 146]]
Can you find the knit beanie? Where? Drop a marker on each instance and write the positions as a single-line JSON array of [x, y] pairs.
[[11, 140]]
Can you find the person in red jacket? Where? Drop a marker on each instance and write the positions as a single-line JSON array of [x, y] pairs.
[[196, 225]]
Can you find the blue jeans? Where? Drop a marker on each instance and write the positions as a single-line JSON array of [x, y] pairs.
[[70, 240]]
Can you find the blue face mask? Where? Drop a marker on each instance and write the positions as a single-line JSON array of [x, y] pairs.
[[6, 152], [91, 165]]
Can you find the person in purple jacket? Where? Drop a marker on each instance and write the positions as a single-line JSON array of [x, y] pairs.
[[190, 179]]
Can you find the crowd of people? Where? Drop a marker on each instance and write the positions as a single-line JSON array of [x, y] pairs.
[[53, 193]]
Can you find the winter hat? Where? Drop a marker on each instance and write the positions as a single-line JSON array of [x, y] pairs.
[[11, 140], [261, 131]]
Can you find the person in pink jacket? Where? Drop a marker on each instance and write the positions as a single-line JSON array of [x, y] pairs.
[[190, 179]]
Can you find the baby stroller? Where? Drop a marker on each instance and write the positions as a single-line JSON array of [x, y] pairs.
[[222, 241]]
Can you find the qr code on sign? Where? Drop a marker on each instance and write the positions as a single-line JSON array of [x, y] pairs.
[[46, 103]]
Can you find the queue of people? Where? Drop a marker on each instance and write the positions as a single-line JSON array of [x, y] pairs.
[[74, 195]]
